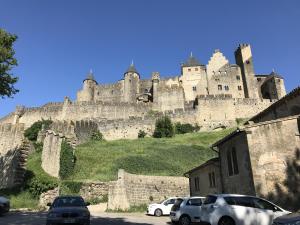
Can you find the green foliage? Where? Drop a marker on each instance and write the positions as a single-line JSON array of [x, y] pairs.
[[7, 62], [36, 181], [186, 128], [67, 160], [20, 198], [141, 134], [134, 208], [97, 136], [36, 185], [38, 146], [100, 161], [163, 127], [70, 187], [95, 201], [31, 133]]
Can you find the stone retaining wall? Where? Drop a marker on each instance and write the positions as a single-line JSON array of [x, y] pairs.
[[131, 189]]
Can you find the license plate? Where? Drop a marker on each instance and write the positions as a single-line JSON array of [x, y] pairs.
[[69, 221]]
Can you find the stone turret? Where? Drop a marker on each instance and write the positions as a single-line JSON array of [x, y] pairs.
[[243, 57], [155, 83], [131, 84], [89, 86]]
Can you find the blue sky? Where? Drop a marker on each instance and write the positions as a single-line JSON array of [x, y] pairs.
[[60, 41]]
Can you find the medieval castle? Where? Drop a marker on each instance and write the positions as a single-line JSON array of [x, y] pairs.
[[213, 96]]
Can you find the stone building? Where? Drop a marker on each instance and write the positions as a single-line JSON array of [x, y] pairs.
[[258, 158], [218, 77]]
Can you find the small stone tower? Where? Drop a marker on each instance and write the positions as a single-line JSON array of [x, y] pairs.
[[131, 84], [88, 91], [243, 58], [155, 83]]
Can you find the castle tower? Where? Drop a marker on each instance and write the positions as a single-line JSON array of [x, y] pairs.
[[88, 91], [131, 84], [243, 58], [155, 83]]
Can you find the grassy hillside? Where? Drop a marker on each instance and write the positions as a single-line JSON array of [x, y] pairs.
[[22, 197], [98, 160]]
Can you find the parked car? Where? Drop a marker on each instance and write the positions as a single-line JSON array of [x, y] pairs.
[[186, 210], [289, 219], [68, 210], [163, 208], [4, 205], [229, 209]]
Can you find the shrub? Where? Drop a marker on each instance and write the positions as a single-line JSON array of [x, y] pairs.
[[95, 201], [70, 187], [31, 133], [67, 160], [38, 146], [37, 185], [141, 134], [186, 128], [97, 136], [163, 127]]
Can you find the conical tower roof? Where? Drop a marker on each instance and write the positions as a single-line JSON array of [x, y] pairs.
[[90, 76], [191, 61], [131, 69]]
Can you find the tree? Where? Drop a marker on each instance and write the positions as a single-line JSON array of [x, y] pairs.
[[7, 62], [163, 127]]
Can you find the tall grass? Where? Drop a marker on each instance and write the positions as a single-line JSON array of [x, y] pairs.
[[100, 160]]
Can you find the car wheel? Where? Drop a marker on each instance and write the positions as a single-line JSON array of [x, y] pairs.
[[226, 221], [157, 212], [184, 220]]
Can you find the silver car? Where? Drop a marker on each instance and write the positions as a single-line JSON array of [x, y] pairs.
[[186, 210]]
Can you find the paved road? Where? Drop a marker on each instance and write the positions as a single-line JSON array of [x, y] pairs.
[[35, 218]]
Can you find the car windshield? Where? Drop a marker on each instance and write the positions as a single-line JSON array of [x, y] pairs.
[[68, 202]]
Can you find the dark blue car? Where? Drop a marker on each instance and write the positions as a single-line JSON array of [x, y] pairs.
[[68, 210]]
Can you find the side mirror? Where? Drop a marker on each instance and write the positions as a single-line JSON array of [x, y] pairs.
[[49, 204], [87, 204]]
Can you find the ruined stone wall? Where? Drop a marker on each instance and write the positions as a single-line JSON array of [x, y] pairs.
[[271, 145], [89, 191], [11, 137], [51, 153], [8, 166], [131, 189], [94, 190]]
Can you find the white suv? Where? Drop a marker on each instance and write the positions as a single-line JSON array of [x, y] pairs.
[[163, 208], [229, 209], [186, 210]]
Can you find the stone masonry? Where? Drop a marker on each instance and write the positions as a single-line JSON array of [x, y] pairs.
[[131, 189]]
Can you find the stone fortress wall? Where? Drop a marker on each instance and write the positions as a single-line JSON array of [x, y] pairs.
[[131, 189], [11, 137], [72, 132], [211, 95]]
